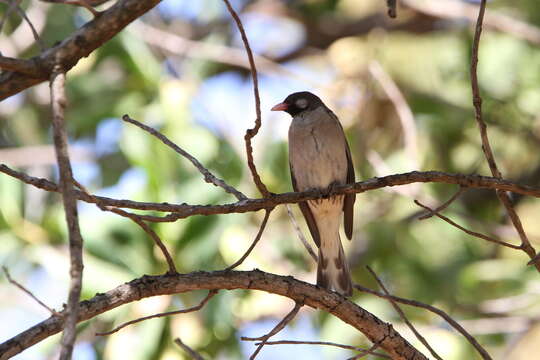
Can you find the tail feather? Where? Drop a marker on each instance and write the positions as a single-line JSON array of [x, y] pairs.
[[333, 270]]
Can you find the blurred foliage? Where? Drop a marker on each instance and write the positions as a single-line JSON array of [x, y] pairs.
[[205, 107]]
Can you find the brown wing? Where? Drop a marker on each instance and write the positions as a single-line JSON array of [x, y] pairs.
[[348, 204], [306, 211]]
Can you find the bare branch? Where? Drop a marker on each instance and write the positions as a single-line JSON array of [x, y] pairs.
[[250, 133], [194, 355], [181, 211], [13, 282], [301, 236], [403, 316], [76, 46], [486, 147], [147, 229], [203, 302], [14, 4], [208, 176], [255, 241], [81, 3], [434, 310], [472, 233], [19, 65], [137, 219], [447, 203], [58, 104], [326, 343], [374, 329], [280, 326]]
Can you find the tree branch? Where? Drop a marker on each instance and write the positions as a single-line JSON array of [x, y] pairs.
[[208, 176], [373, 328], [250, 133], [58, 104], [78, 45], [486, 147], [185, 210]]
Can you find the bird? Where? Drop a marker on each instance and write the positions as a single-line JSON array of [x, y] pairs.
[[320, 158]]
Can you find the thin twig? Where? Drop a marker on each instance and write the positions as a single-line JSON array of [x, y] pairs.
[[13, 282], [137, 219], [58, 104], [81, 3], [403, 316], [447, 203], [203, 302], [326, 343], [147, 229], [280, 326], [486, 147], [255, 241], [22, 14], [300, 234], [194, 355], [434, 310], [370, 351], [12, 5], [250, 133], [472, 233], [208, 176]]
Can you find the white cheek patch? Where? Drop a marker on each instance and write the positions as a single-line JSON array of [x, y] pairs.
[[301, 103]]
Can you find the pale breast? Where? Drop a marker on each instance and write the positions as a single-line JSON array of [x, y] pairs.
[[317, 150]]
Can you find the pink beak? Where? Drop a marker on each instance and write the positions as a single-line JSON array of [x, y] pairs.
[[280, 107]]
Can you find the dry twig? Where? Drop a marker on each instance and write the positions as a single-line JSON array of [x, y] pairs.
[[472, 233], [137, 219], [486, 147], [36, 299], [58, 104], [300, 234], [250, 133], [403, 316], [194, 355], [326, 343], [280, 326], [434, 310], [208, 176], [198, 307], [255, 241], [447, 203]]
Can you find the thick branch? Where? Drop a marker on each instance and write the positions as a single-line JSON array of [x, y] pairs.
[[375, 329], [80, 44]]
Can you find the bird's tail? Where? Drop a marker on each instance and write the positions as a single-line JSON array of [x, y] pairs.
[[333, 269]]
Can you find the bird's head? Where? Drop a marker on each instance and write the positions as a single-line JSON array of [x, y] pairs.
[[298, 102]]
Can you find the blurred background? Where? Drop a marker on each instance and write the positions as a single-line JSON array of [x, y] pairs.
[[401, 89]]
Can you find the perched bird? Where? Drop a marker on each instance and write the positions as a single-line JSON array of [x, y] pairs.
[[320, 158]]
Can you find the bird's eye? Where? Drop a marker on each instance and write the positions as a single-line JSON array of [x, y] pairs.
[[301, 103]]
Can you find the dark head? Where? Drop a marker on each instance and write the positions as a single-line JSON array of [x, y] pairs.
[[299, 102]]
